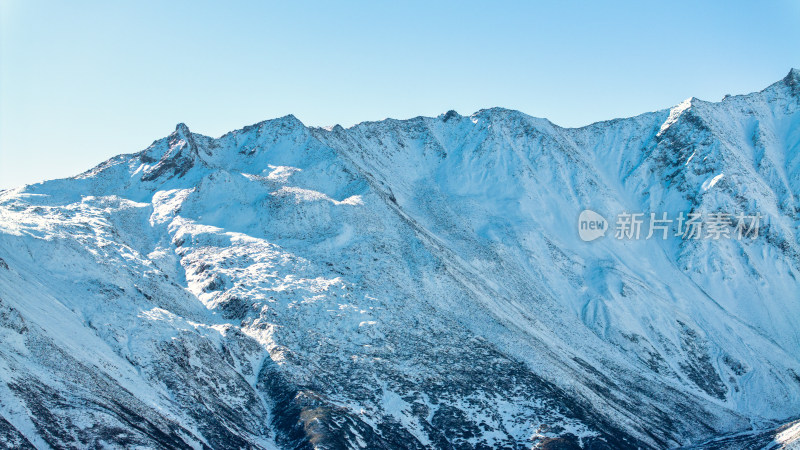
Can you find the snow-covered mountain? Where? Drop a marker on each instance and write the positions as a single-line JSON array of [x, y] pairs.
[[411, 284]]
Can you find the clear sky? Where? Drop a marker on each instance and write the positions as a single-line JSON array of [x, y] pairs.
[[82, 81]]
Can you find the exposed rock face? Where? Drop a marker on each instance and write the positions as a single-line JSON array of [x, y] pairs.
[[410, 284]]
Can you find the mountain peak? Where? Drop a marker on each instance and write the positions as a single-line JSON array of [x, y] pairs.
[[452, 114], [288, 119], [792, 79], [182, 130]]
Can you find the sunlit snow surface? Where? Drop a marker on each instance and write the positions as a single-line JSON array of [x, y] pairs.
[[416, 283]]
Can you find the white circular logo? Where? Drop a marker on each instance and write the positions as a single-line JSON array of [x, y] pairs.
[[591, 225]]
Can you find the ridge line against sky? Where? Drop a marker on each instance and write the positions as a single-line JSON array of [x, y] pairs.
[[83, 81]]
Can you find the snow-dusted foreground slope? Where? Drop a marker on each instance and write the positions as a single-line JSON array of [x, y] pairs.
[[411, 284]]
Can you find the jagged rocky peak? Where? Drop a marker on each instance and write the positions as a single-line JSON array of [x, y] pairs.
[[792, 80], [182, 129], [794, 74], [450, 115]]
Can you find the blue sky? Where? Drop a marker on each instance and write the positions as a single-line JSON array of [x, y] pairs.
[[83, 81]]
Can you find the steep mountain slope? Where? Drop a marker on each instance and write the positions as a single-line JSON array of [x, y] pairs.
[[416, 283]]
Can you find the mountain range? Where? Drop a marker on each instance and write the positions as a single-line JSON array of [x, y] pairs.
[[412, 283]]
